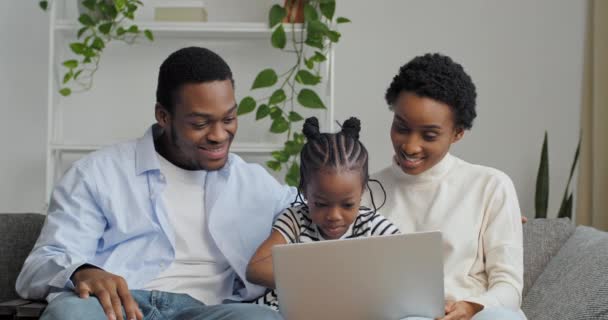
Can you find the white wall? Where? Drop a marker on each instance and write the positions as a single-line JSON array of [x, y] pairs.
[[23, 74], [524, 56]]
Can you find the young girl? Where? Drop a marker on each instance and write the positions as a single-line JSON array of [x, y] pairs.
[[333, 176], [475, 207]]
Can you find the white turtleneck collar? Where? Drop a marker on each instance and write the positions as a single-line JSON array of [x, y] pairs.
[[432, 174]]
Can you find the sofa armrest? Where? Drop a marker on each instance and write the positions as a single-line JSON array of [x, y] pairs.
[[32, 310], [21, 309]]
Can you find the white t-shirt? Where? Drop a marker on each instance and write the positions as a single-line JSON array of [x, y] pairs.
[[476, 209], [199, 268]]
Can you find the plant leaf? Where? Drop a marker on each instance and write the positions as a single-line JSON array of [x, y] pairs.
[[566, 210], [278, 38], [274, 165], [319, 57], [67, 77], [77, 74], [133, 29], [43, 5], [310, 14], [280, 156], [265, 78], [89, 4], [315, 43], [105, 28], [70, 64], [279, 125], [299, 138], [86, 20], [292, 177], [81, 31], [275, 112], [334, 36], [77, 47], [65, 92], [328, 9], [277, 97], [310, 64], [263, 111], [317, 27], [276, 15], [149, 34], [310, 99], [294, 117], [292, 148], [247, 105], [563, 208], [541, 197], [98, 44], [120, 4], [342, 20], [307, 78]]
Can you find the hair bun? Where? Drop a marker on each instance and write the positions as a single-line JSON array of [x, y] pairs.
[[352, 127], [311, 129]]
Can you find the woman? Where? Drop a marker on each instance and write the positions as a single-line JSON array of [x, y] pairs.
[[475, 207]]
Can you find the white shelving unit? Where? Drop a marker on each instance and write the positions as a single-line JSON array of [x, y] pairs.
[[62, 30]]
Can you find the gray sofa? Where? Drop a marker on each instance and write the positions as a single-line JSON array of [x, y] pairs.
[[565, 267]]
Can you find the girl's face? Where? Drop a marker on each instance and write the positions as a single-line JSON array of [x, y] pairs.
[[422, 132], [333, 200]]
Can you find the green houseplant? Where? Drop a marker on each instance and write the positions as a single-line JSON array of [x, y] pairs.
[[101, 22], [542, 185], [294, 88]]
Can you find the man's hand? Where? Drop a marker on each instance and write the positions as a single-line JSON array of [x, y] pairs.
[[111, 291], [461, 310]]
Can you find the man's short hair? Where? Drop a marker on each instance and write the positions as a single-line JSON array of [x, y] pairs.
[[188, 66]]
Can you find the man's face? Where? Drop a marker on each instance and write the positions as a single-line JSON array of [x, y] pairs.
[[197, 136], [422, 132]]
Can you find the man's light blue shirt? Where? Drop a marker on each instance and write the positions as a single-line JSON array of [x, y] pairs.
[[107, 211]]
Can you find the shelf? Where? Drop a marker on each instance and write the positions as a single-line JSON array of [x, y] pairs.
[[194, 29], [251, 148]]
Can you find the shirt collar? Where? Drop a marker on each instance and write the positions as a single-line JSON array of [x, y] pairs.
[[146, 158]]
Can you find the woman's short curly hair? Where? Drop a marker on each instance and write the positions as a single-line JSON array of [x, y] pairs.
[[437, 77]]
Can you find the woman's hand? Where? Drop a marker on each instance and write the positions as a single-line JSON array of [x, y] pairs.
[[460, 310]]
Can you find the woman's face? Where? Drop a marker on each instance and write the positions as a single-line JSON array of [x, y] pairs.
[[422, 132], [333, 199]]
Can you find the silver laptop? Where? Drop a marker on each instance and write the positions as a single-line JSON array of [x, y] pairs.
[[389, 277]]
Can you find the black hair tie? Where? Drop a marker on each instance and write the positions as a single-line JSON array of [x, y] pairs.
[[352, 127], [311, 129]]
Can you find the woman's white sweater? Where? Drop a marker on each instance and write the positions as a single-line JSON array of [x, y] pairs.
[[477, 211]]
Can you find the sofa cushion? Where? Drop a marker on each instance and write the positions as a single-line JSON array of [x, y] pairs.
[[574, 285], [18, 233], [542, 239]]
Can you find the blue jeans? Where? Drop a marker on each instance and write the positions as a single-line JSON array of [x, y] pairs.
[[491, 313], [156, 305]]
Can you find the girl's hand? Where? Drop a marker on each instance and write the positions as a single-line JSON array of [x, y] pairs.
[[460, 310]]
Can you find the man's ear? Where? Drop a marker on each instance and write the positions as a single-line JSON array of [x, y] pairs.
[[162, 115], [458, 134]]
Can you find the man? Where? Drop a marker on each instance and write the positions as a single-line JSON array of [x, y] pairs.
[[160, 227]]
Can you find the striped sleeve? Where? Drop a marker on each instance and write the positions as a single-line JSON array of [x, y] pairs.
[[288, 224], [381, 226]]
